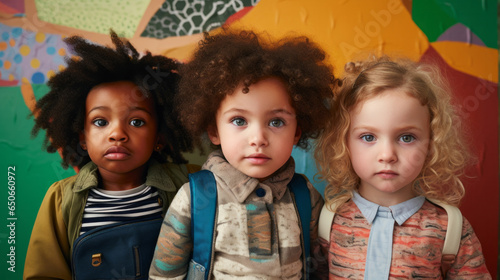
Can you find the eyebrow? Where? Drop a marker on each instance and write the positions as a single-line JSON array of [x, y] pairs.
[[106, 108], [277, 111], [367, 127]]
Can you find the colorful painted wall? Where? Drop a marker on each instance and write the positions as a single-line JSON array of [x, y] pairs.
[[460, 36]]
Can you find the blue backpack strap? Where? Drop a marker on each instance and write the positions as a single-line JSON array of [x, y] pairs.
[[298, 186], [203, 208]]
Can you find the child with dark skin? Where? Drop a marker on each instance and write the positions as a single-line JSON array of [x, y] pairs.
[[110, 114]]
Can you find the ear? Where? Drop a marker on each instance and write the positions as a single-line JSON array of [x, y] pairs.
[[213, 135], [298, 133], [83, 144], [160, 142]]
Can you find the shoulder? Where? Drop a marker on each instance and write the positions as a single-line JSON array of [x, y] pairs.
[[468, 234], [430, 219], [433, 211], [57, 195], [62, 186], [181, 204], [470, 260]]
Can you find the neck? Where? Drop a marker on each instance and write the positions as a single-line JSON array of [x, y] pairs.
[[121, 182], [387, 199]]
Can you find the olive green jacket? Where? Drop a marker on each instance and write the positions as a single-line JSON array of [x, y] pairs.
[[59, 218]]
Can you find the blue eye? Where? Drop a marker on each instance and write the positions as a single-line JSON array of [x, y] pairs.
[[407, 138], [238, 121], [368, 138], [137, 122], [100, 122], [276, 123]]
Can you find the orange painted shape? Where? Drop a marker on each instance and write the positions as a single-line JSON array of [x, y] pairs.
[[472, 59], [28, 96], [345, 29], [3, 46], [7, 64]]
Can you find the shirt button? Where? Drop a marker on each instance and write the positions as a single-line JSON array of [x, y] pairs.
[[260, 192]]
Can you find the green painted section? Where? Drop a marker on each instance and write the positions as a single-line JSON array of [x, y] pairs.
[[35, 171], [434, 17], [123, 16]]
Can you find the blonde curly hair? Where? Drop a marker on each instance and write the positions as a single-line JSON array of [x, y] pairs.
[[448, 154]]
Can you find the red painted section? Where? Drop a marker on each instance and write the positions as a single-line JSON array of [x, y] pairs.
[[236, 16], [478, 103]]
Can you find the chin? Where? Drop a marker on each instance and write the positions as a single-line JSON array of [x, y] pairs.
[[259, 176]]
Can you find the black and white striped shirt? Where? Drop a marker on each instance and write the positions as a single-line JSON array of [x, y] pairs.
[[106, 207]]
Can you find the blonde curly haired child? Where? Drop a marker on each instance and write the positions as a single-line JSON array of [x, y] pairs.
[[393, 143]]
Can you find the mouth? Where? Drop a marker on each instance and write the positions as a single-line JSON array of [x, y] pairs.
[[116, 153], [257, 158], [387, 174]]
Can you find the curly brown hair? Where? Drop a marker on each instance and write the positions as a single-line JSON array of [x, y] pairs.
[[61, 112], [231, 58], [448, 154]]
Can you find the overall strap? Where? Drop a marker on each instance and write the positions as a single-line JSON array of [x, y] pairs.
[[203, 208], [298, 186]]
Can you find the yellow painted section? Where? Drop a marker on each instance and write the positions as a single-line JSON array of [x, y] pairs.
[[182, 54], [472, 59], [345, 29], [350, 30]]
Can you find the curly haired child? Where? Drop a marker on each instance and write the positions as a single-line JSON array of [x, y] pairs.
[[110, 114], [254, 99], [392, 143]]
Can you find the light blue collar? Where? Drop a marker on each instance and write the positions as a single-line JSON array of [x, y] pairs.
[[400, 212]]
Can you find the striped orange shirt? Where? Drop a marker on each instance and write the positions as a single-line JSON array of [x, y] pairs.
[[417, 246]]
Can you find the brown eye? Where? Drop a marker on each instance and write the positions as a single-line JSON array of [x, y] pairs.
[[137, 123], [100, 122]]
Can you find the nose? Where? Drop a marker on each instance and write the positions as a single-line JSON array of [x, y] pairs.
[[387, 153], [258, 137], [118, 133]]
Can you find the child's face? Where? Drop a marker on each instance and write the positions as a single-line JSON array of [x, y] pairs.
[[120, 130], [257, 130], [388, 141]]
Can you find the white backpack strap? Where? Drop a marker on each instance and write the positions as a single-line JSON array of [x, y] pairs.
[[452, 238], [325, 223], [454, 230], [326, 219]]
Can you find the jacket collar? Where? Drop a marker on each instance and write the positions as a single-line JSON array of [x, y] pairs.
[[242, 185], [88, 177]]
